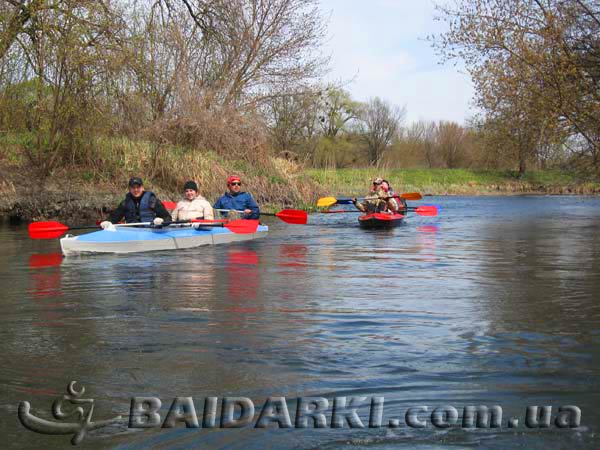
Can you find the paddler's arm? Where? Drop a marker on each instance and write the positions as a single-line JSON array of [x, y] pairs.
[[208, 213], [253, 207], [175, 213], [118, 214], [160, 210], [358, 206], [219, 205]]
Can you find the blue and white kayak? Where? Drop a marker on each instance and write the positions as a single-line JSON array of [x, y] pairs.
[[129, 240]]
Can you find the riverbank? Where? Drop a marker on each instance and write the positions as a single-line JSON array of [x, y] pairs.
[[83, 193], [456, 181]]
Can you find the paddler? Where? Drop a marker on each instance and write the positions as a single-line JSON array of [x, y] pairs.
[[394, 203], [139, 206], [193, 206], [376, 200], [237, 200]]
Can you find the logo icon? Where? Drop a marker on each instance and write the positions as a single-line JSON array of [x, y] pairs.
[[78, 428]]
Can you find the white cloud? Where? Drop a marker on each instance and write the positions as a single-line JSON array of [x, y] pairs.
[[380, 44]]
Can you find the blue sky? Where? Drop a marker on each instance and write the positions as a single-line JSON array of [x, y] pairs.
[[380, 44]]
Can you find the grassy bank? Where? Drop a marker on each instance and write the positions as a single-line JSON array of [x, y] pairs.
[[82, 192], [454, 181]]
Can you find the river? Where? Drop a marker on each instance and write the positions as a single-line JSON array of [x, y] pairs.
[[494, 302]]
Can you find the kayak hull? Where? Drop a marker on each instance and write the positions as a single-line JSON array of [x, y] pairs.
[[133, 240], [376, 221]]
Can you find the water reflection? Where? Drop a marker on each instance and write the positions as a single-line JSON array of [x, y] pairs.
[[243, 276], [40, 260], [536, 275], [428, 228], [293, 255]]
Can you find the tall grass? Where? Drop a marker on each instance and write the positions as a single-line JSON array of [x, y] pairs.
[[451, 181], [165, 168]]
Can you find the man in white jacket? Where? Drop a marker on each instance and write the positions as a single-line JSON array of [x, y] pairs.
[[194, 206]]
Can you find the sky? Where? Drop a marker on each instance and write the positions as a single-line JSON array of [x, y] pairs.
[[379, 48]]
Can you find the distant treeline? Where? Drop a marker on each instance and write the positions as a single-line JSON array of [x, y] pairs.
[[243, 79]]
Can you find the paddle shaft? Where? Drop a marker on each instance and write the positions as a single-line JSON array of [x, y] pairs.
[[425, 210], [137, 224], [410, 208], [345, 201], [326, 202], [51, 230], [174, 222], [244, 212]]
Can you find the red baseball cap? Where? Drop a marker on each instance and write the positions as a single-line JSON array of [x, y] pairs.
[[233, 178]]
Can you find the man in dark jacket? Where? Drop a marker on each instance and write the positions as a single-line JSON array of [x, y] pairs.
[[237, 200], [139, 206]]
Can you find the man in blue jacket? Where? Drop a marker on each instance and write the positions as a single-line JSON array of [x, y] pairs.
[[237, 200]]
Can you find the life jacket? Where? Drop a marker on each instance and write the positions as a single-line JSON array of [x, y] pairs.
[[397, 202], [144, 214], [376, 205]]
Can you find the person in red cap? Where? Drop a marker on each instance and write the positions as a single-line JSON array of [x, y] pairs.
[[237, 200]]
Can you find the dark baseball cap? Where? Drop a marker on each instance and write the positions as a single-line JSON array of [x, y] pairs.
[[135, 181]]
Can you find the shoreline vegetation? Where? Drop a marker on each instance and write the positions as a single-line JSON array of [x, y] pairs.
[[87, 193], [92, 93], [440, 182]]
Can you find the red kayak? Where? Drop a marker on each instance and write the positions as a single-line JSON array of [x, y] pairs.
[[380, 220]]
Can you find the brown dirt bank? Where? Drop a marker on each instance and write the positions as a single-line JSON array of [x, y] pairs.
[[67, 196]]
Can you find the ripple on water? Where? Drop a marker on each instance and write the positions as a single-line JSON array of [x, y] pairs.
[[494, 302]]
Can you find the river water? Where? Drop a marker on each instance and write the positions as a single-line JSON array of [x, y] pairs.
[[494, 302]]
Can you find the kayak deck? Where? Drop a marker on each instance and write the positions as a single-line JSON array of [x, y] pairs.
[[380, 220], [130, 240]]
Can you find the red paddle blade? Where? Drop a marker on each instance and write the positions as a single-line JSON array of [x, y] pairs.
[[293, 216], [170, 205], [427, 210], [46, 230], [242, 226]]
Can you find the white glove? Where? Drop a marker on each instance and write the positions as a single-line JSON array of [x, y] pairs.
[[106, 224], [158, 222]]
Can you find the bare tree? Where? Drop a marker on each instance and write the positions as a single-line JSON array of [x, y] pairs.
[[379, 125], [62, 49], [534, 64], [451, 141], [16, 15], [252, 48], [293, 120]]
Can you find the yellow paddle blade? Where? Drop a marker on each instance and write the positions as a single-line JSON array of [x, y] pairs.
[[411, 196], [326, 202]]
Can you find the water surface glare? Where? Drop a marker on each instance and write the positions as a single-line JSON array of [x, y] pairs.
[[495, 302]]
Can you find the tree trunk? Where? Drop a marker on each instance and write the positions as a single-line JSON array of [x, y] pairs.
[[522, 163], [16, 24]]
